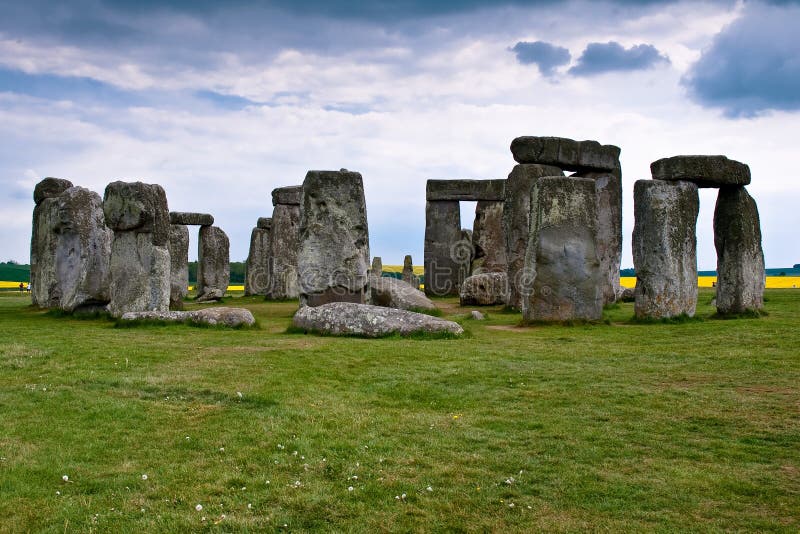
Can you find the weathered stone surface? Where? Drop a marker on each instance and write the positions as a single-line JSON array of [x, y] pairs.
[[333, 263], [665, 248], [477, 316], [488, 238], [139, 207], [465, 190], [140, 274], [393, 293], [179, 265], [516, 222], [83, 251], [44, 242], [284, 245], [566, 154], [291, 195], [213, 263], [50, 188], [192, 219], [447, 253], [561, 257], [626, 294], [217, 316], [377, 266], [265, 223], [256, 279], [484, 289], [740, 259], [408, 272], [608, 186], [351, 319], [705, 171]]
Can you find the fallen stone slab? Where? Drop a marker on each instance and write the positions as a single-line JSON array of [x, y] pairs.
[[288, 196], [566, 154], [485, 289], [191, 219], [705, 171], [393, 293], [470, 190], [219, 316], [366, 320]]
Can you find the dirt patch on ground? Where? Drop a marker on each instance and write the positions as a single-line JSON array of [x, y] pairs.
[[509, 328]]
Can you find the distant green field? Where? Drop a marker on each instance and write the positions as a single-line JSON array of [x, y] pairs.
[[693, 426]]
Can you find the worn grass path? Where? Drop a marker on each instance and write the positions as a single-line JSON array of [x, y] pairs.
[[622, 427]]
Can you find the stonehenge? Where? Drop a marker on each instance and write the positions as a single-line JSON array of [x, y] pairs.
[[140, 262], [213, 264], [70, 248], [284, 243], [665, 242], [333, 261], [562, 252], [256, 274]]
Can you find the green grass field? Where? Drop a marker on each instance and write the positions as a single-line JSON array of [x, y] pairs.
[[616, 427]]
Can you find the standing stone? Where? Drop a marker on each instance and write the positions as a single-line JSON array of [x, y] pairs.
[[447, 254], [665, 248], [562, 252], [488, 238], [256, 279], [408, 272], [608, 186], [284, 244], [83, 251], [179, 265], [516, 222], [333, 262], [213, 264], [377, 267], [44, 283], [740, 259], [140, 262]]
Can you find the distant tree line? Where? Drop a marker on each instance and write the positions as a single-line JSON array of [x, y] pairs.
[[237, 272]]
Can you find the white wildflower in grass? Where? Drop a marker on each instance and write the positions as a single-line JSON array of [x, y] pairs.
[[144, 477], [510, 480], [294, 453], [281, 447], [239, 394], [58, 493], [511, 505], [65, 478], [142, 510], [222, 449], [297, 484], [268, 482], [244, 488], [249, 506], [429, 488], [199, 507], [403, 496], [350, 488]]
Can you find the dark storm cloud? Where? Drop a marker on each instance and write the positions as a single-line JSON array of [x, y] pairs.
[[753, 65], [599, 58], [544, 55]]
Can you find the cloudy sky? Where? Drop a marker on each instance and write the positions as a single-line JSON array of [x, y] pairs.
[[220, 102]]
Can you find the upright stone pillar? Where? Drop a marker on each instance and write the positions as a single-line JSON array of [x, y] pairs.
[[377, 267], [740, 259], [447, 254], [284, 243], [213, 264], [179, 265], [408, 272], [140, 262], [333, 262], [83, 251], [608, 186], [562, 252], [256, 280], [45, 292], [488, 238], [665, 248], [516, 222]]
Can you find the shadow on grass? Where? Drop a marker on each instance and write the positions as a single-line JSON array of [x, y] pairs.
[[139, 323], [418, 336], [677, 319]]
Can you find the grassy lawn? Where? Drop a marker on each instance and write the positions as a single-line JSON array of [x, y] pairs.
[[620, 426]]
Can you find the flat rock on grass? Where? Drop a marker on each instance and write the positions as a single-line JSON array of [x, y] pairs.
[[394, 293], [219, 316], [365, 320]]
